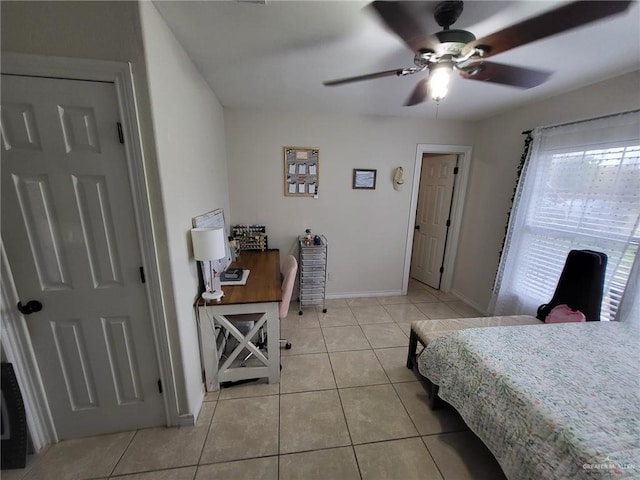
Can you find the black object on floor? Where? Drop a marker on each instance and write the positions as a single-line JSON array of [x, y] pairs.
[[237, 382], [14, 421]]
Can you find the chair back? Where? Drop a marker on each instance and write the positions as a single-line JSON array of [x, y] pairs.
[[580, 285], [288, 271]]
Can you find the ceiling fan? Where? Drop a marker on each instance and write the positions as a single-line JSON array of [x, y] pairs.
[[449, 50]]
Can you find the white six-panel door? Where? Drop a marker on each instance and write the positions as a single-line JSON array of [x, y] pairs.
[[434, 204], [69, 231]]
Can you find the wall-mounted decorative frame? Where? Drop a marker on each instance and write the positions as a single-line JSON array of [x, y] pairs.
[[364, 179], [301, 171]]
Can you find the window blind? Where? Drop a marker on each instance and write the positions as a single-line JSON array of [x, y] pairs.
[[580, 189]]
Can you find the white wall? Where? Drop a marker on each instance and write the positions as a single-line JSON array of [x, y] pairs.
[[191, 155], [497, 150], [185, 170], [366, 230], [103, 31]]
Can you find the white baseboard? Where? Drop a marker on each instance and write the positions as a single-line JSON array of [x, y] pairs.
[[187, 420], [364, 294], [471, 303]]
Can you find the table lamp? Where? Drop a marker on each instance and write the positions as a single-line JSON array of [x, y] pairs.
[[209, 245]]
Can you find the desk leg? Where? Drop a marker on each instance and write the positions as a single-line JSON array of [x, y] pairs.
[[208, 344], [208, 350], [273, 342]]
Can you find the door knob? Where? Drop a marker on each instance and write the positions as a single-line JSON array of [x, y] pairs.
[[32, 306]]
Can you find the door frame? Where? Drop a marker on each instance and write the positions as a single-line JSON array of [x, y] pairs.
[[457, 208], [16, 342]]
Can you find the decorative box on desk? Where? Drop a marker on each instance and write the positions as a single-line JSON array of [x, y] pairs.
[[251, 237], [313, 272]]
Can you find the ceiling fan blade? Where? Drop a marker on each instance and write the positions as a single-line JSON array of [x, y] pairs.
[[505, 74], [419, 94], [398, 17], [388, 73], [556, 21]]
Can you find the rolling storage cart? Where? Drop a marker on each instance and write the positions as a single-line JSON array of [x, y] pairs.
[[313, 274]]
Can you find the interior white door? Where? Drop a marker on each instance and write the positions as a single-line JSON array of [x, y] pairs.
[[437, 179], [69, 231]]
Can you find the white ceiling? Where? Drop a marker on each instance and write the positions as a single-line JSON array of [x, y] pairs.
[[274, 56]]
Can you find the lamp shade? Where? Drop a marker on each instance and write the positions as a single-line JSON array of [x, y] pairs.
[[208, 243]]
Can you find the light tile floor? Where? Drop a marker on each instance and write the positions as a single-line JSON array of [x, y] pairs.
[[346, 408]]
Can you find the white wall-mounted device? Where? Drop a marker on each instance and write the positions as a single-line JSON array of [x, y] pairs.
[[398, 181]]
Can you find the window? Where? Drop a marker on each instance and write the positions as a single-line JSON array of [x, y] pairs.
[[580, 189]]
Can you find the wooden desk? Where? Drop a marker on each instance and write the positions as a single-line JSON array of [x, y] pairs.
[[260, 298]]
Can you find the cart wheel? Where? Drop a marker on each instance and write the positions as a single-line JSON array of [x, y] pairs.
[[287, 346], [300, 312], [324, 310]]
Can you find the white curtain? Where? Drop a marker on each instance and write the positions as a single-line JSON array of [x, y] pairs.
[[578, 190], [629, 309]]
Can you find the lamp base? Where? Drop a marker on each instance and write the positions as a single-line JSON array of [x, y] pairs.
[[216, 295]]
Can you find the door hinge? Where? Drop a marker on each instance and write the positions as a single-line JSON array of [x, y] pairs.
[[448, 222], [120, 134], [455, 171], [159, 386], [441, 269], [142, 277]]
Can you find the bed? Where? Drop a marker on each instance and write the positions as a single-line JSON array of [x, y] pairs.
[[550, 401]]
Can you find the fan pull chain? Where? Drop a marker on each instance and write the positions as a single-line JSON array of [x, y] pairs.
[[437, 108]]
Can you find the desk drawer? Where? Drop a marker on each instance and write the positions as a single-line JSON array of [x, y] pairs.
[[312, 280], [319, 280], [313, 263], [312, 273], [307, 303], [313, 269], [307, 291], [315, 297], [313, 256]]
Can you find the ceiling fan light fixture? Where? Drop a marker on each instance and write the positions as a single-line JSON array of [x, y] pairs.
[[439, 78], [459, 49]]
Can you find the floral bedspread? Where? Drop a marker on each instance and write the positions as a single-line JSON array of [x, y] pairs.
[[553, 401]]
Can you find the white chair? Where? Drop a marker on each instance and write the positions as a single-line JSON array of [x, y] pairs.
[[288, 271]]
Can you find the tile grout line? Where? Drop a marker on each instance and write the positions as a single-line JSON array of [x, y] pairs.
[[279, 423], [433, 458], [344, 415], [123, 452], [206, 437]]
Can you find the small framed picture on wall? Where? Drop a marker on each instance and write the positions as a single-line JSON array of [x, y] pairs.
[[364, 179]]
